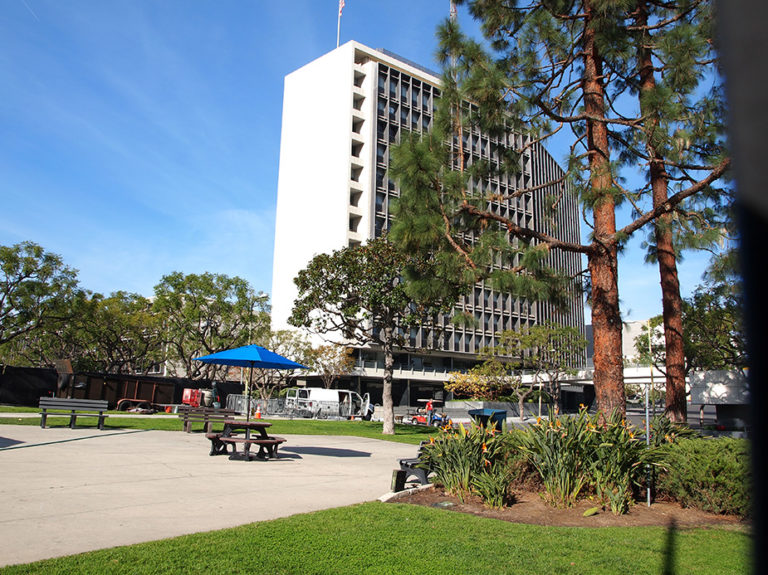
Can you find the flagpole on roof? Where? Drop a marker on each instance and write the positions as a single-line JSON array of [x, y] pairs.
[[338, 22]]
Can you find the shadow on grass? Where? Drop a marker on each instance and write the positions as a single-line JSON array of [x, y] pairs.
[[669, 549]]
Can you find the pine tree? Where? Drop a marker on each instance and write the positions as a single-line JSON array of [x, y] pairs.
[[678, 133], [559, 64]]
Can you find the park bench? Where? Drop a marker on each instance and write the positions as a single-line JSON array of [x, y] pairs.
[[267, 445], [206, 415], [410, 467], [74, 407]]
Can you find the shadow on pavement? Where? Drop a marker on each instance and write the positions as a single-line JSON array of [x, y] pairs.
[[12, 444], [324, 451], [7, 442]]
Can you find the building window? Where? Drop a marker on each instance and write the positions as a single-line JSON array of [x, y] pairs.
[[381, 202]]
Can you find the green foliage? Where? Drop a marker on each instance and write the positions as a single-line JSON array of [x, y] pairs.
[[461, 458], [548, 350], [559, 450], [383, 538], [357, 288], [711, 474], [207, 313], [492, 485], [582, 452], [618, 461], [665, 431], [486, 381], [713, 327], [35, 288], [360, 292], [578, 70], [714, 331]]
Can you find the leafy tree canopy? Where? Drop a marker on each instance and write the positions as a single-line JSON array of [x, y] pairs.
[[360, 294], [206, 313], [35, 288]]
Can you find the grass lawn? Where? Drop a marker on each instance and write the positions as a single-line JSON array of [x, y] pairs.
[[411, 434], [404, 539]]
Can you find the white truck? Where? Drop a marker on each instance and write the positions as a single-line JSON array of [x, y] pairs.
[[318, 402]]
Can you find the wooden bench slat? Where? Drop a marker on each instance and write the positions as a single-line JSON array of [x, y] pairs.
[[206, 415], [75, 407]]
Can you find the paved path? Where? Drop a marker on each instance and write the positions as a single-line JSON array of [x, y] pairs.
[[67, 491]]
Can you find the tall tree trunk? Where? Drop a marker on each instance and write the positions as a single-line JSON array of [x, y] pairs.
[[672, 302], [389, 366], [603, 257]]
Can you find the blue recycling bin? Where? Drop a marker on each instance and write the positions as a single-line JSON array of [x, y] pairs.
[[486, 416]]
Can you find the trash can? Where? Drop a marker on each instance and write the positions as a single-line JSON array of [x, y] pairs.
[[486, 416]]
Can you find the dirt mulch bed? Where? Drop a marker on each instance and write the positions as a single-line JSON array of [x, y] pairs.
[[531, 509]]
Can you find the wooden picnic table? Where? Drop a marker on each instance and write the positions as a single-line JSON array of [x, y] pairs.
[[267, 444]]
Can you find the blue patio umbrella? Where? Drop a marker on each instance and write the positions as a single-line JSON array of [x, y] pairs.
[[250, 356]]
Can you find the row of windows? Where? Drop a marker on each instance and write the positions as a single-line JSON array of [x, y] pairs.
[[407, 118], [455, 341], [405, 89], [406, 103]]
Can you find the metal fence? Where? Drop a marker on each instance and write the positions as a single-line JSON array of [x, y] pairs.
[[239, 403], [277, 406]]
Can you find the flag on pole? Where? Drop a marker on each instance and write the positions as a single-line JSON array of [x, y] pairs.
[[338, 22]]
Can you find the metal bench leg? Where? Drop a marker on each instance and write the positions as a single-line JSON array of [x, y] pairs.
[[398, 480]]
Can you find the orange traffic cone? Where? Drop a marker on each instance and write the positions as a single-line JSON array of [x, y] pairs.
[[258, 412]]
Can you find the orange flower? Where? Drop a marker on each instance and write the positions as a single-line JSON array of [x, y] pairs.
[[485, 448]]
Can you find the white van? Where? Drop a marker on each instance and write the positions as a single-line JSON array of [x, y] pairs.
[[319, 402]]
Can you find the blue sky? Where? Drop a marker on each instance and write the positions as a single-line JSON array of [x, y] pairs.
[[141, 137]]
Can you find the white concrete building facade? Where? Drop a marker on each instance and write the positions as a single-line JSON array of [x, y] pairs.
[[341, 113]]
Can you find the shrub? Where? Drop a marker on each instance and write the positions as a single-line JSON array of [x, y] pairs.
[[459, 457], [557, 448], [619, 459], [664, 431], [583, 452], [711, 474], [492, 485]]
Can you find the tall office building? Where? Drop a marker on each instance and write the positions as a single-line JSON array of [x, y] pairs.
[[341, 113]]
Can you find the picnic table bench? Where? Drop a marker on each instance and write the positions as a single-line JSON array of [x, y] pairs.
[[75, 407], [206, 415], [268, 445]]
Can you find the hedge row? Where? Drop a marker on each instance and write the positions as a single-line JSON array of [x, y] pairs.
[[711, 474]]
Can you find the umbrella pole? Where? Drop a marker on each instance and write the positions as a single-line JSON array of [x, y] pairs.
[[248, 410]]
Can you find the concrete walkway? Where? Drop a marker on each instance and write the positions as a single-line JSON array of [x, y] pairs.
[[67, 491]]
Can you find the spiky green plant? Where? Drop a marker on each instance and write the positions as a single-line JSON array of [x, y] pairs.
[[558, 449], [458, 456]]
